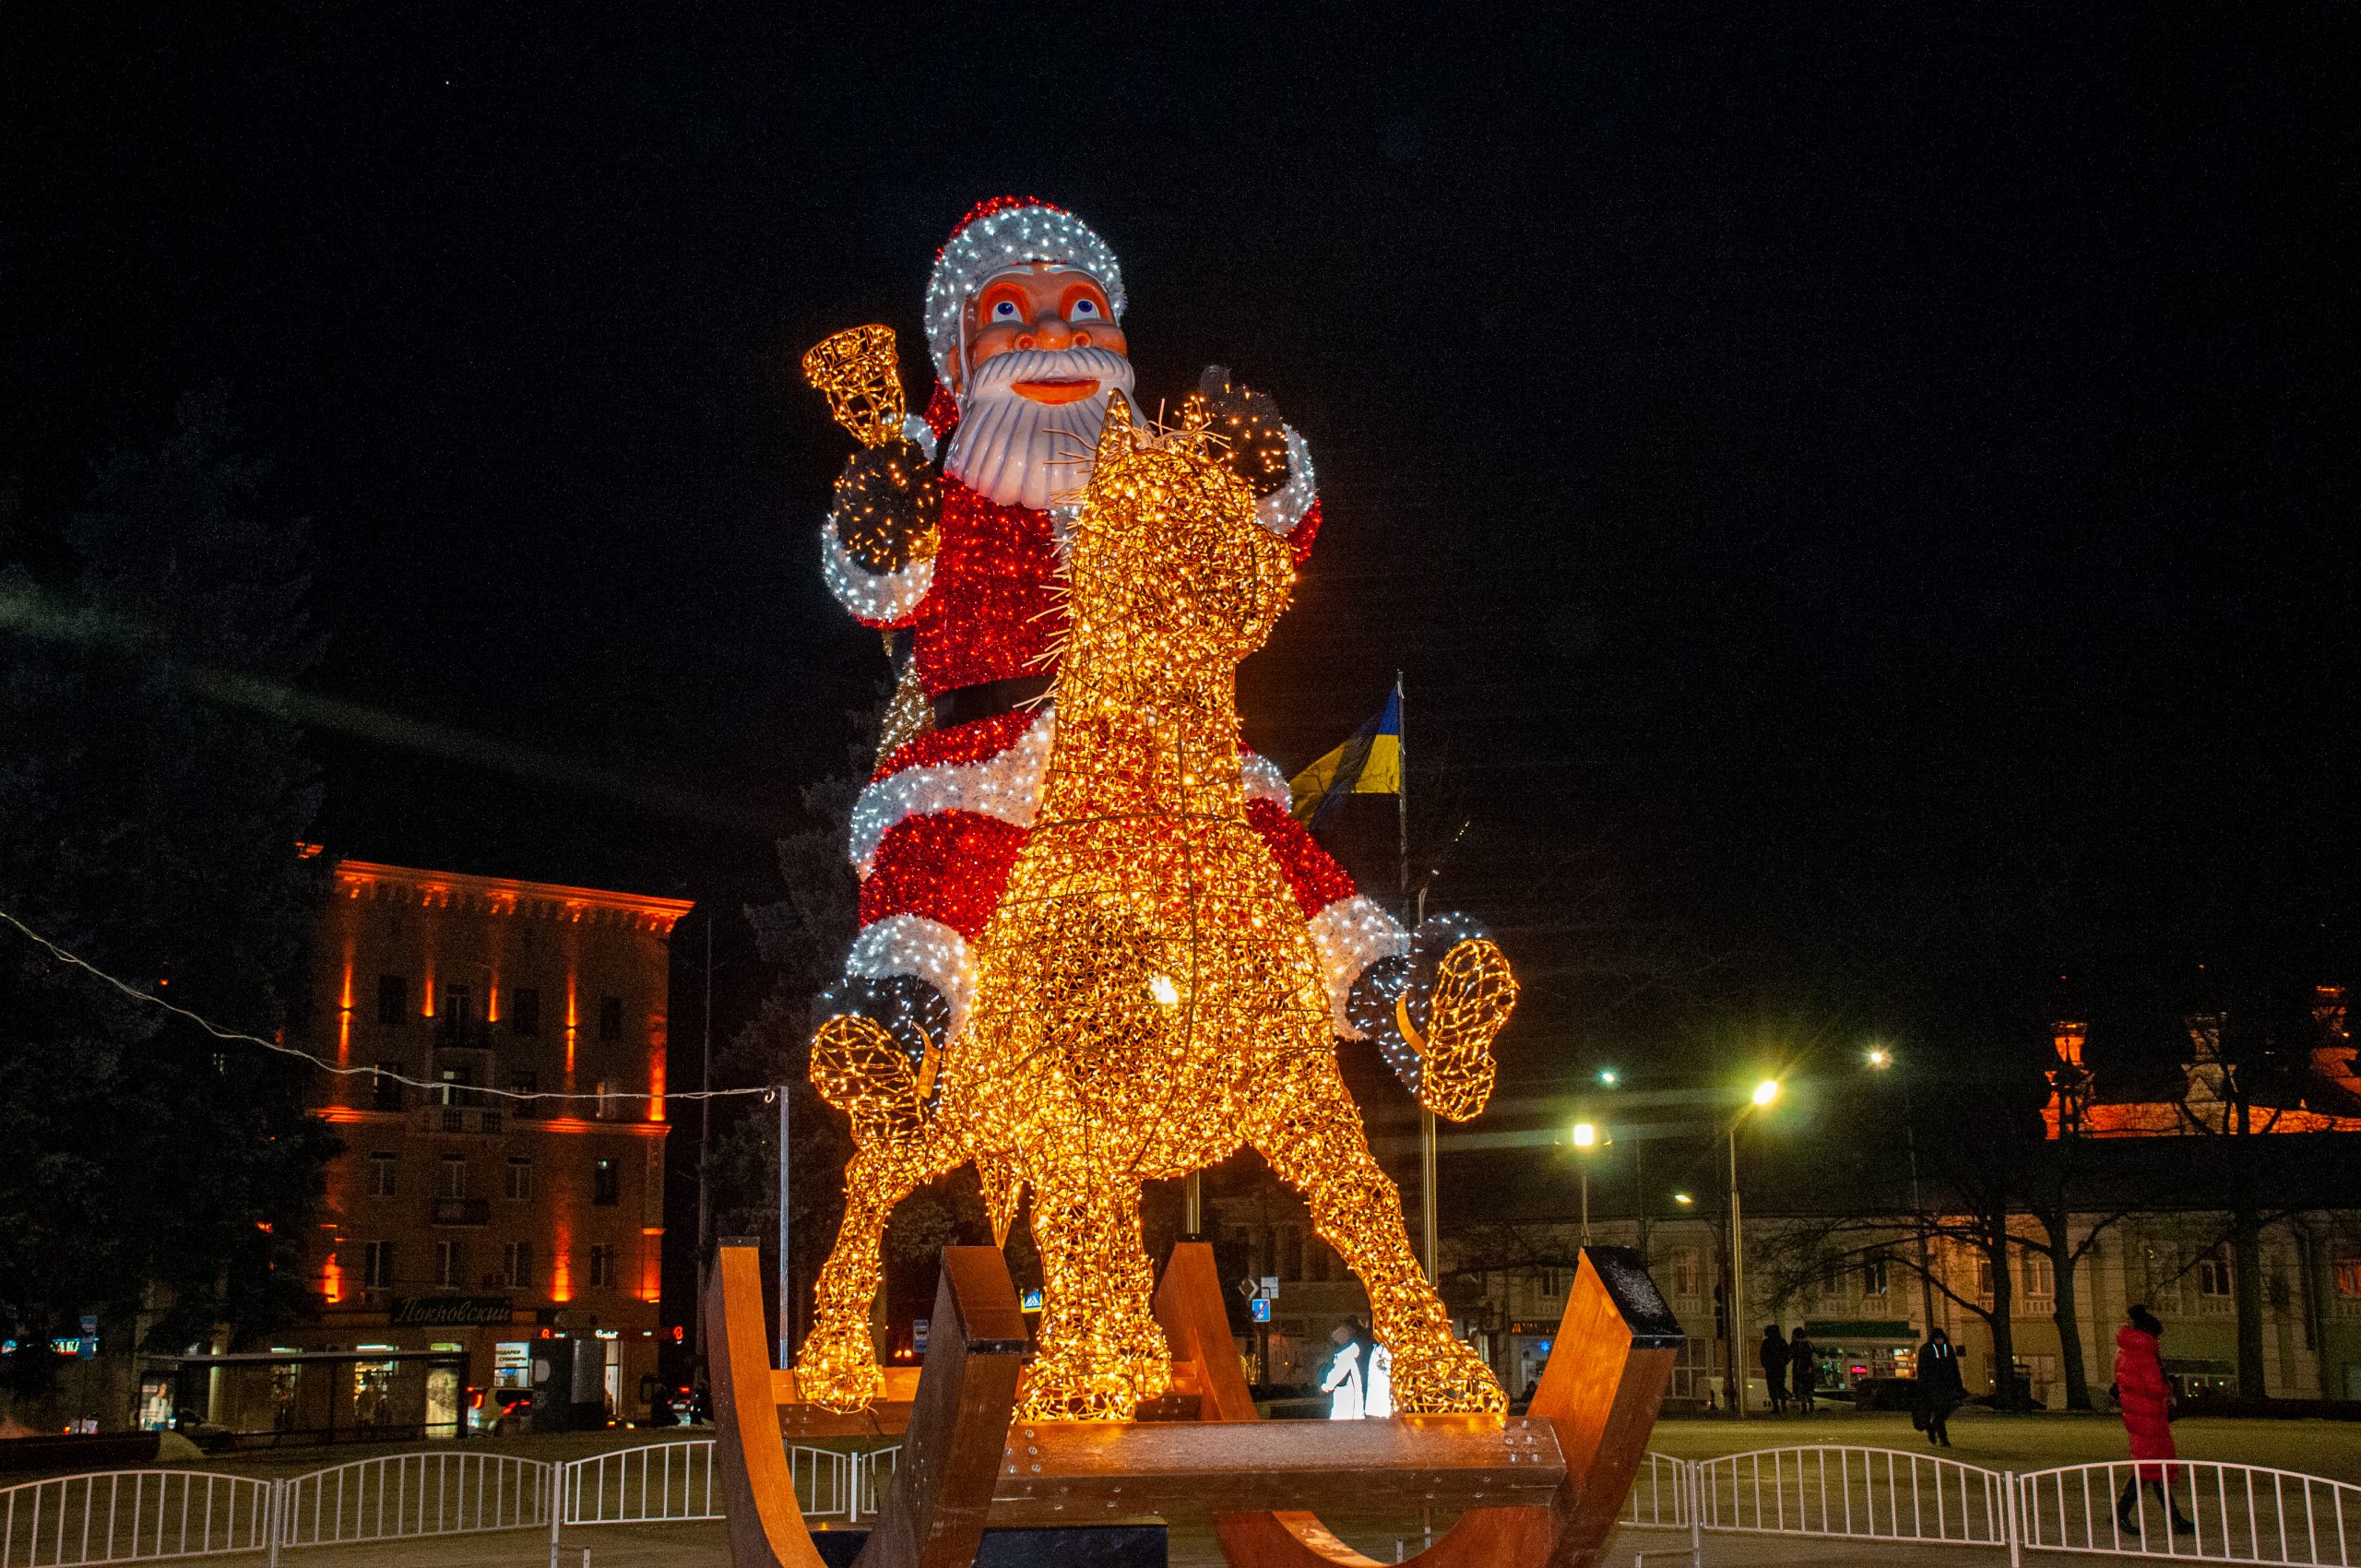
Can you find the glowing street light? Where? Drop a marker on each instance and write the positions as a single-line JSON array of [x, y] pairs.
[[1683, 1199], [1587, 1137], [1881, 1058], [1608, 1077], [1766, 1091]]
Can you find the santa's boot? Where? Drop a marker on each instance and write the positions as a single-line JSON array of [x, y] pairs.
[[1433, 1013]]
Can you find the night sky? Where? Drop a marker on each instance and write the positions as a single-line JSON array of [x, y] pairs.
[[1862, 497]]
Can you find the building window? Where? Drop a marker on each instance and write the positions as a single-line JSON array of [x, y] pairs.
[[450, 1264], [384, 1091], [602, 1264], [2348, 1278], [606, 1182], [1553, 1282], [520, 1178], [2213, 1275], [459, 1005], [2040, 1277], [1873, 1277], [516, 1265], [525, 1010], [526, 1084], [604, 1108], [453, 1183], [381, 1175], [1984, 1279], [377, 1264], [1685, 1274], [611, 1018], [393, 1000]]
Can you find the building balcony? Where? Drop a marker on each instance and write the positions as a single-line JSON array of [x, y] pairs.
[[469, 1119], [461, 1211]]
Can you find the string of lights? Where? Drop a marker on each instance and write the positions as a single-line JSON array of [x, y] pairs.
[[767, 1093]]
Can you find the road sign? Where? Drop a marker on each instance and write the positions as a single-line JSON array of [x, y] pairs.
[[918, 1335], [1271, 1286], [1262, 1305], [1032, 1302], [1246, 1287]]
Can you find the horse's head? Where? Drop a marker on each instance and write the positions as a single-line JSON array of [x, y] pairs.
[[1168, 559]]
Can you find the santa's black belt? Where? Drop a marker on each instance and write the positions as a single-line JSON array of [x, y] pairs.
[[988, 699]]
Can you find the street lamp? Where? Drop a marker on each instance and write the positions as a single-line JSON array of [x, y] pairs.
[[1586, 1138], [1764, 1093], [1608, 1077], [1683, 1199], [1881, 1059]]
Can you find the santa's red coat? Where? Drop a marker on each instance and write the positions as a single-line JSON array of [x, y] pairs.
[[939, 829]]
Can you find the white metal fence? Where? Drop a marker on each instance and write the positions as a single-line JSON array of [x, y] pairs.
[[436, 1492], [2230, 1514], [133, 1517], [155, 1516], [2239, 1514]]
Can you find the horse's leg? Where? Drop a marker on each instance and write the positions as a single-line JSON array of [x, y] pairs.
[[859, 1069], [1312, 1138], [1100, 1350]]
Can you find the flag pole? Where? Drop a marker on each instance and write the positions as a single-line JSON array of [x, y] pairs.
[[1415, 912]]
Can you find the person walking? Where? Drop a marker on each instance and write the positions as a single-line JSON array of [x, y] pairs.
[[2145, 1399], [1343, 1382], [1803, 1362], [1940, 1388], [1772, 1354]]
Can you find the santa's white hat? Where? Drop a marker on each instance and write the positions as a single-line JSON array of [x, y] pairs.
[[1004, 233]]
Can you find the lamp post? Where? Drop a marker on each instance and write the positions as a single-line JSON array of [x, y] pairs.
[[1764, 1093], [1880, 1060], [1586, 1138]]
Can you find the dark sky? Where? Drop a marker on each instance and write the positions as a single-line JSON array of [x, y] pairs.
[[1862, 496]]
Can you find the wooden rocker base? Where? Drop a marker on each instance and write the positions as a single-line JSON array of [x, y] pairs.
[[1542, 1488]]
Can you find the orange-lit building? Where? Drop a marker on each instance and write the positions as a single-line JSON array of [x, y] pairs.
[[462, 1218], [2316, 1092]]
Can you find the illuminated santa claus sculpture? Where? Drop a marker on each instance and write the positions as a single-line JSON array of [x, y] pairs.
[[1024, 319]]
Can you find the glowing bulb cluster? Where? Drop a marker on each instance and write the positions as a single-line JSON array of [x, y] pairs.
[[1145, 996]]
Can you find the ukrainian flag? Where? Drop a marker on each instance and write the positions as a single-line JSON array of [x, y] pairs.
[[1368, 764]]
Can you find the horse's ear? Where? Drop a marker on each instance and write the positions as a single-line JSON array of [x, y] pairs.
[[1115, 434]]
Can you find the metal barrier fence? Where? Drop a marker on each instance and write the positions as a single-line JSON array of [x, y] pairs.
[[157, 1515], [2239, 1514], [2232, 1514], [134, 1517], [1853, 1495], [438, 1492]]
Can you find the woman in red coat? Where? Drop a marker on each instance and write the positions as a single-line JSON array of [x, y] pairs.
[[2147, 1402]]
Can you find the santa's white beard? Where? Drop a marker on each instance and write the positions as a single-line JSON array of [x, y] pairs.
[[1016, 451]]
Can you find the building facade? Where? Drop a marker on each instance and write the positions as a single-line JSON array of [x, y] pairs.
[[461, 1216]]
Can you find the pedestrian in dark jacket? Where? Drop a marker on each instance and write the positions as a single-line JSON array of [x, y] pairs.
[[1772, 1354], [1940, 1388], [1803, 1362], [2147, 1402]]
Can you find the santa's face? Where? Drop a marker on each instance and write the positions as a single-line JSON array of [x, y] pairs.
[[1041, 306], [1042, 356]]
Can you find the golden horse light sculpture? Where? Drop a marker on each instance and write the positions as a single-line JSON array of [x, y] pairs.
[[1147, 998]]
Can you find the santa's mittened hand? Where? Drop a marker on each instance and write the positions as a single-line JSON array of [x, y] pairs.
[[1254, 437], [888, 501]]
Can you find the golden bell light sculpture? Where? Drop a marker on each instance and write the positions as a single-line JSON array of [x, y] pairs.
[[856, 371]]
